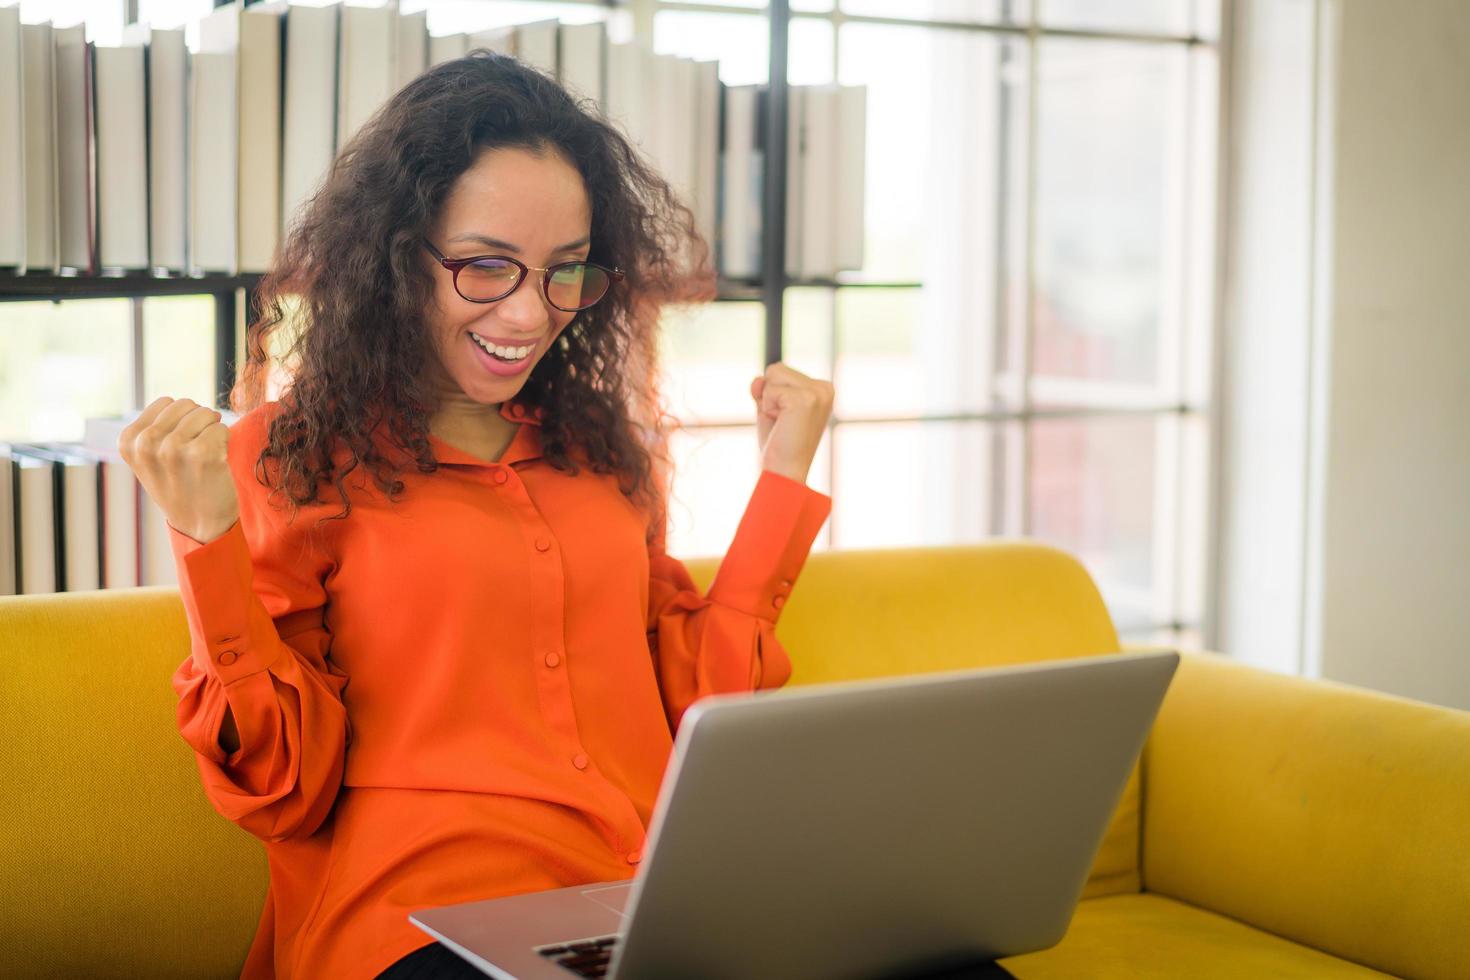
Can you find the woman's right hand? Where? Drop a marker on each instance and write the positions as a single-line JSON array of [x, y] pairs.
[[177, 450]]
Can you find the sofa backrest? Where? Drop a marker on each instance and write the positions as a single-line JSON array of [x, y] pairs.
[[115, 863], [883, 612], [113, 855]]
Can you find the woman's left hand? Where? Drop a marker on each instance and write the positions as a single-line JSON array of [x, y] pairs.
[[791, 415]]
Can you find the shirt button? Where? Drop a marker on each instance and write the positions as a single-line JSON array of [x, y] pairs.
[[580, 761], [518, 410], [500, 476], [552, 660], [779, 601], [228, 657], [543, 544], [634, 857]]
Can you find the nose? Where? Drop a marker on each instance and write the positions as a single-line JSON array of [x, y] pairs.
[[526, 308]]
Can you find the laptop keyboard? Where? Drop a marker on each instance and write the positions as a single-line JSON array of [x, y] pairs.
[[586, 957]]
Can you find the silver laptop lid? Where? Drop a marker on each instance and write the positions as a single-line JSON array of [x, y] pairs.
[[844, 830]]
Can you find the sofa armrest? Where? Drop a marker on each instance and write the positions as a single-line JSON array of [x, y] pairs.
[[1328, 814]]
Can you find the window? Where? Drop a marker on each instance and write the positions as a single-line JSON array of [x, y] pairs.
[[61, 363], [1025, 350]]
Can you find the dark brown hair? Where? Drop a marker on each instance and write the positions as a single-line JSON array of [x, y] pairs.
[[350, 287]]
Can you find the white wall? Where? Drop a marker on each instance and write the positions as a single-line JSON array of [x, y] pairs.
[[1395, 605], [1345, 508]]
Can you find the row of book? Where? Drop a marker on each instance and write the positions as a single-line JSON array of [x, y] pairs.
[[73, 517], [149, 157]]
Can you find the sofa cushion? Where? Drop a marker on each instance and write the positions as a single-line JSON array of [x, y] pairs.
[[878, 613], [1136, 937]]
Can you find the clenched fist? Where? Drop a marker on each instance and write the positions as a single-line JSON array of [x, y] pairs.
[[177, 450], [792, 410]]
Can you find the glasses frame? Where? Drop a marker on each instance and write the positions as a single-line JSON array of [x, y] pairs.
[[454, 265]]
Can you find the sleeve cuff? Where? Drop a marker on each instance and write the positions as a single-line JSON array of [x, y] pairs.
[[216, 584], [770, 546]]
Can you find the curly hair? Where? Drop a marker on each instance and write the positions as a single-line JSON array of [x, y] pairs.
[[351, 288]]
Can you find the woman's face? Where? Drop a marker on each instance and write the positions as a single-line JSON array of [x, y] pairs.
[[509, 202]]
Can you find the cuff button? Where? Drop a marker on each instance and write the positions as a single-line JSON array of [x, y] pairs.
[[779, 601], [228, 657]]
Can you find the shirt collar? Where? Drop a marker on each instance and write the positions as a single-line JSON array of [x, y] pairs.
[[526, 444]]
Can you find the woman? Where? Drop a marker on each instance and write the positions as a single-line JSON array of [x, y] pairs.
[[438, 650]]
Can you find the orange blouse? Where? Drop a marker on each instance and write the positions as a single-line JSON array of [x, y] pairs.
[[467, 693]]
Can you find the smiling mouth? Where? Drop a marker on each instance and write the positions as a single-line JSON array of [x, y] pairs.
[[503, 352]]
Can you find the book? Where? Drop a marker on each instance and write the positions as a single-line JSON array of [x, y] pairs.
[[501, 40], [825, 180], [120, 499], [12, 143], [741, 181], [705, 166], [738, 246], [366, 51], [672, 97], [34, 493], [75, 150], [624, 104], [258, 86], [252, 36], [165, 69], [213, 181], [850, 224], [795, 180], [122, 159], [582, 60], [817, 213], [447, 47], [309, 126], [77, 498], [669, 108], [121, 496], [9, 520], [38, 84], [412, 55], [537, 44]]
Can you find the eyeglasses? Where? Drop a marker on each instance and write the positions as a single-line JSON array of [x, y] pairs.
[[569, 286]]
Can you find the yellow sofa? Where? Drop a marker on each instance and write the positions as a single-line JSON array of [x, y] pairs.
[[1276, 827]]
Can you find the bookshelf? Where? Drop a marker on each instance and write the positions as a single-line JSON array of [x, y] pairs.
[[232, 294], [144, 149]]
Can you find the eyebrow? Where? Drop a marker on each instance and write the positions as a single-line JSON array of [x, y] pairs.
[[497, 243]]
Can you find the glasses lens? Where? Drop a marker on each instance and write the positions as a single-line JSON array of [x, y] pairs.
[[487, 279], [576, 285]]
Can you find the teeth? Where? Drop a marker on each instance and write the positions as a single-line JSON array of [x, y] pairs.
[[509, 353]]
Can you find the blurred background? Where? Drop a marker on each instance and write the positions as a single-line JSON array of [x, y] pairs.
[[1175, 285]]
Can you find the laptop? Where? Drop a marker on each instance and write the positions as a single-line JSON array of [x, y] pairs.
[[859, 829]]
